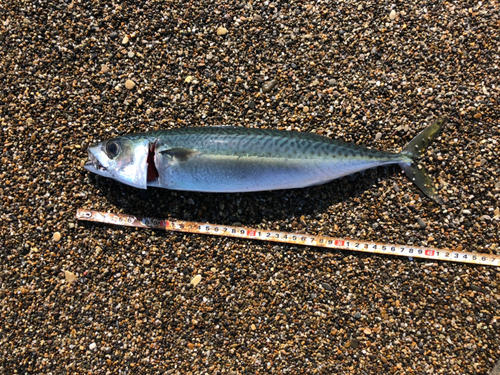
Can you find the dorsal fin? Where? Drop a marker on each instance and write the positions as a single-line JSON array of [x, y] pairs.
[[180, 154]]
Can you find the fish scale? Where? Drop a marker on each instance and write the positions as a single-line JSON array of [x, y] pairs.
[[256, 142], [232, 159]]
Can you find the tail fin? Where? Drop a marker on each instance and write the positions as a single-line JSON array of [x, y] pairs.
[[416, 148]]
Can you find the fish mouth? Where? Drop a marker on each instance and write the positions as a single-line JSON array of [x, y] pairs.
[[94, 163]]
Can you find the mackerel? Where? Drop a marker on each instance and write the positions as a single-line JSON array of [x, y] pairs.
[[237, 159]]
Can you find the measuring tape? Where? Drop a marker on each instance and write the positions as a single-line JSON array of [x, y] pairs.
[[290, 238]]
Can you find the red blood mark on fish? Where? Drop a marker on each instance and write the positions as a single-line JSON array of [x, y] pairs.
[[152, 171]]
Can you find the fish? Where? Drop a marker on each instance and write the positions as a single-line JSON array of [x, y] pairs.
[[232, 159]]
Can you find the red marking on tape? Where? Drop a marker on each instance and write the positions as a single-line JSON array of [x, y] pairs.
[[339, 243], [429, 252], [165, 224], [251, 233]]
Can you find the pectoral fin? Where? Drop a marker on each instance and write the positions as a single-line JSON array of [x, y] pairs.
[[179, 154]]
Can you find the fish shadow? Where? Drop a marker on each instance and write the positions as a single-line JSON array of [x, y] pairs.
[[275, 208]]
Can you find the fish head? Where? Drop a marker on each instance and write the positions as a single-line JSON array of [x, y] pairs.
[[122, 159]]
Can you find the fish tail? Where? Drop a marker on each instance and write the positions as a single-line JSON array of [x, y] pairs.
[[416, 148]]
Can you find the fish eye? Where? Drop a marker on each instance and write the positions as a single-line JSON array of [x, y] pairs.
[[113, 148]]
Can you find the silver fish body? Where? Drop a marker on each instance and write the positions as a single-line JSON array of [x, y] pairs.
[[227, 159], [237, 159]]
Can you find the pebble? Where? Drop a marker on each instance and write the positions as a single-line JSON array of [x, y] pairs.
[[125, 40], [104, 68], [129, 84], [130, 54], [269, 86], [56, 236], [70, 276], [305, 109], [326, 286], [393, 15], [476, 288], [221, 31], [421, 223], [196, 280]]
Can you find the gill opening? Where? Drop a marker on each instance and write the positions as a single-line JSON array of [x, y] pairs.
[[152, 171]]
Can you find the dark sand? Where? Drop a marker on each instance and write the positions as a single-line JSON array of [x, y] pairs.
[[349, 70]]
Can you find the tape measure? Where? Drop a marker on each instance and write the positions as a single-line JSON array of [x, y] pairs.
[[289, 238]]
